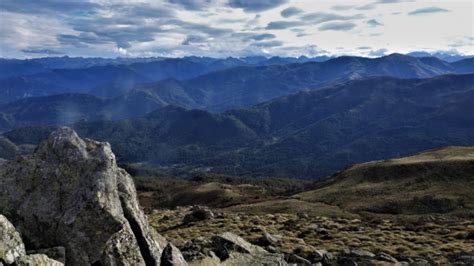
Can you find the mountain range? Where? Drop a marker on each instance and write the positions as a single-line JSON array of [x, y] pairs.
[[308, 134], [233, 87]]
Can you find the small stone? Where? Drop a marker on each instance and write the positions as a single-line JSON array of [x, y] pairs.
[[292, 258], [358, 253], [318, 255], [470, 236], [328, 258], [172, 256], [385, 257], [267, 240], [302, 215], [198, 214]]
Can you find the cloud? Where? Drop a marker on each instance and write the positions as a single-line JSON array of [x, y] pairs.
[[393, 1], [337, 26], [261, 37], [268, 44], [374, 23], [57, 7], [320, 17], [342, 7], [377, 53], [256, 5], [143, 11], [364, 48], [373, 5], [290, 11], [427, 10], [281, 25], [192, 4], [44, 51], [194, 39]]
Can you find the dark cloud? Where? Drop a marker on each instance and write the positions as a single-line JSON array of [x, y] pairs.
[[44, 51], [320, 17], [342, 7], [81, 40], [374, 23], [256, 5], [427, 10], [263, 36], [94, 32], [291, 11], [338, 26], [268, 44], [143, 11], [192, 4], [281, 25], [194, 39], [56, 7]]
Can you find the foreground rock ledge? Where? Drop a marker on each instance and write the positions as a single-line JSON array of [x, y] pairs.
[[70, 193]]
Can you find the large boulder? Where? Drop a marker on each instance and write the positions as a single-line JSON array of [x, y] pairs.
[[71, 193], [12, 248]]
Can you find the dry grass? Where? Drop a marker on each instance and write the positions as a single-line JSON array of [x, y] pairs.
[[301, 234]]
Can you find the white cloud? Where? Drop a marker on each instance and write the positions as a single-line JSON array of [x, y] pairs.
[[217, 28]]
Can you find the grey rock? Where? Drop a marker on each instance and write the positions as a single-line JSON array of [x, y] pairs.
[[37, 259], [385, 257], [71, 193], [12, 248], [172, 256], [266, 240], [318, 255], [358, 253], [56, 253], [11, 244], [198, 213], [329, 259], [463, 258], [292, 258], [470, 236], [229, 249]]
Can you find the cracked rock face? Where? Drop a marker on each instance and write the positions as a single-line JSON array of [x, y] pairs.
[[71, 193]]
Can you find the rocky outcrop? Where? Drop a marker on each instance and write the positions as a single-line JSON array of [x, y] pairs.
[[229, 249], [70, 193], [12, 248]]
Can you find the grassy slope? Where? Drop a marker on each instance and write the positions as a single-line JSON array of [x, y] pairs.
[[436, 181]]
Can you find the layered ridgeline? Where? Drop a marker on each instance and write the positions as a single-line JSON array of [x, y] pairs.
[[308, 134], [237, 87], [110, 77]]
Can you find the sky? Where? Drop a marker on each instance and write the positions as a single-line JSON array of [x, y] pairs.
[[222, 28]]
